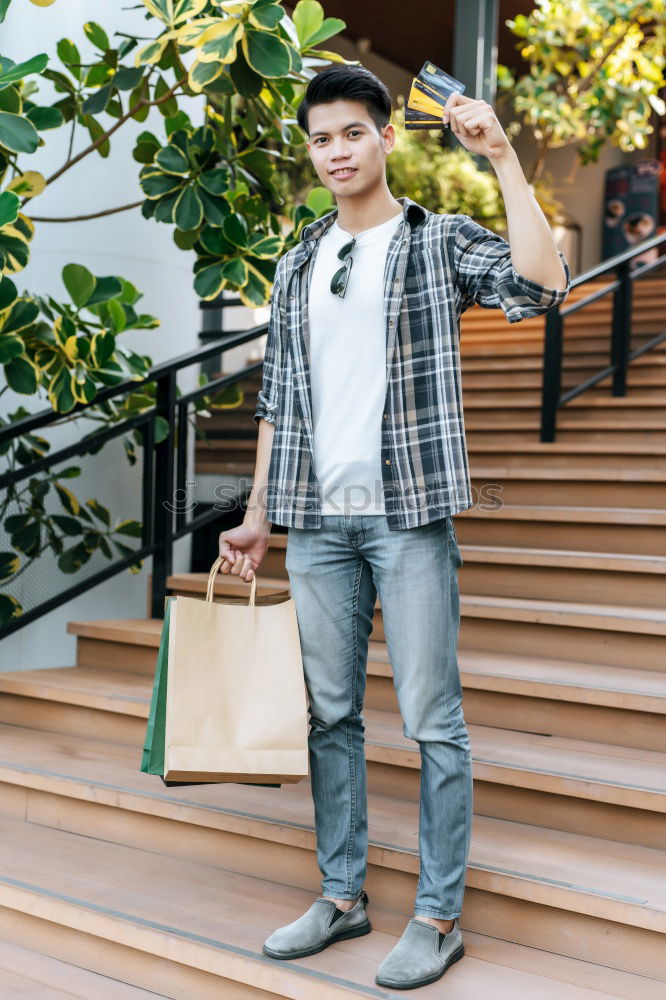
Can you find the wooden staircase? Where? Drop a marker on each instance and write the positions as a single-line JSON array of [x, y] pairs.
[[112, 885]]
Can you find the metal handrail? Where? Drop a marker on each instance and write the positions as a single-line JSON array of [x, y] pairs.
[[612, 263], [552, 397], [38, 420], [163, 478]]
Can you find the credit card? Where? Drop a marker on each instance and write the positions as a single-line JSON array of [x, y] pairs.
[[419, 101], [426, 120], [438, 81], [429, 93]]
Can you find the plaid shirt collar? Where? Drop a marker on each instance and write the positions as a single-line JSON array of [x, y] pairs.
[[412, 213]]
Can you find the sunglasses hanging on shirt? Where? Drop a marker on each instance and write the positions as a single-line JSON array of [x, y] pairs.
[[341, 277]]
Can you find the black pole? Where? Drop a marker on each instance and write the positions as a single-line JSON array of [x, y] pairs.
[[621, 330], [164, 494], [552, 374]]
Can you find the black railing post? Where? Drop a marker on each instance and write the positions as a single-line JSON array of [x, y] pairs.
[[552, 373], [212, 328], [164, 494], [621, 330], [180, 484], [147, 486]]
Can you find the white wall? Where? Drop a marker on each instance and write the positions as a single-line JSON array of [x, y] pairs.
[[125, 244]]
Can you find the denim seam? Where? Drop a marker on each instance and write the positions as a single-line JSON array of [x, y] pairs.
[[418, 883], [452, 586], [448, 642], [350, 747]]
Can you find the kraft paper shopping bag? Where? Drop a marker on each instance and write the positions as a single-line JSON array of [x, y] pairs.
[[236, 704], [152, 761]]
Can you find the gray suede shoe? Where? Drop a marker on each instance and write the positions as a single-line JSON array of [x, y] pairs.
[[421, 956], [319, 926]]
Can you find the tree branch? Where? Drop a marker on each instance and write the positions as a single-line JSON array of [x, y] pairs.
[[142, 102], [84, 218], [542, 152]]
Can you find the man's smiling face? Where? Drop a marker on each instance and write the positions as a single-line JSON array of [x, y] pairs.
[[346, 150]]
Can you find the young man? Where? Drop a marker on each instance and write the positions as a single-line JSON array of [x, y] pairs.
[[361, 454]]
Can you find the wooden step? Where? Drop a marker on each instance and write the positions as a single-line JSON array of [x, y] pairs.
[[216, 466], [577, 455], [554, 765], [645, 301], [505, 438], [562, 462], [508, 382], [592, 405], [230, 446], [600, 529], [33, 976], [489, 331], [532, 361], [522, 427], [563, 575], [529, 693], [508, 399], [513, 343], [595, 427], [620, 437], [613, 446], [639, 403], [630, 411], [593, 399], [113, 903], [580, 784], [496, 484]]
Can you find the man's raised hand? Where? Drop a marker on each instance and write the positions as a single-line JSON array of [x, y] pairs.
[[476, 126]]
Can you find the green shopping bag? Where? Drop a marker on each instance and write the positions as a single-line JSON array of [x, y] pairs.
[[152, 760]]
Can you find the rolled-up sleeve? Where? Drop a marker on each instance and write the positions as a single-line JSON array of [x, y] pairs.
[[267, 397], [485, 275]]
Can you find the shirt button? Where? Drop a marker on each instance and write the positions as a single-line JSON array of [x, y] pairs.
[[386, 416], [390, 322], [397, 281], [388, 461]]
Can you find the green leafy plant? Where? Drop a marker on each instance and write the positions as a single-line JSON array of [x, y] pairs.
[[596, 68], [215, 185], [73, 535]]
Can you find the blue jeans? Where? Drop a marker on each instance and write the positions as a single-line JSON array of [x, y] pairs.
[[335, 574]]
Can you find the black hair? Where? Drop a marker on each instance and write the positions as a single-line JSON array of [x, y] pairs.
[[350, 83]]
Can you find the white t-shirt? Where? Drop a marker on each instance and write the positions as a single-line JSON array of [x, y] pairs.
[[348, 370]]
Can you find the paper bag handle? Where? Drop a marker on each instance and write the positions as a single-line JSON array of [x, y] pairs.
[[211, 581]]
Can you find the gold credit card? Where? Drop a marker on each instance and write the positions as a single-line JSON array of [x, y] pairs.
[[419, 101]]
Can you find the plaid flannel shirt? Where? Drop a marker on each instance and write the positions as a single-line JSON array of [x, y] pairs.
[[436, 267]]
